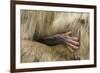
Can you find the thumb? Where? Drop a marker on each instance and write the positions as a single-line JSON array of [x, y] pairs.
[[68, 33]]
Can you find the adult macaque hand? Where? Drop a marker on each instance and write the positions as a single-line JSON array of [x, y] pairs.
[[68, 39]]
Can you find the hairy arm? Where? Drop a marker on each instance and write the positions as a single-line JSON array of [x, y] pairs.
[[65, 39], [50, 40]]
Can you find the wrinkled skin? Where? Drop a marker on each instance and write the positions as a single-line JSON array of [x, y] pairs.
[[65, 39]]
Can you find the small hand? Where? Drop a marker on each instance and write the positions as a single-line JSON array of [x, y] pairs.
[[69, 40]]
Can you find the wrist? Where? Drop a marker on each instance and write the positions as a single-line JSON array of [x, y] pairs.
[[58, 38]]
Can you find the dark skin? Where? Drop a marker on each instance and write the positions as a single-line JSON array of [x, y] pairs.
[[65, 39]]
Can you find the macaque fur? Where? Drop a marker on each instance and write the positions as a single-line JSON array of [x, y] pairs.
[[37, 24]]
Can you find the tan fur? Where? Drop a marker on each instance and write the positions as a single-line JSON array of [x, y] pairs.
[[36, 24]]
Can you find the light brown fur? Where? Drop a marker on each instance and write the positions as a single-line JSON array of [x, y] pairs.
[[36, 24]]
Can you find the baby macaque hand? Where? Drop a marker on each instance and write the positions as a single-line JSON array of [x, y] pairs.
[[69, 40]]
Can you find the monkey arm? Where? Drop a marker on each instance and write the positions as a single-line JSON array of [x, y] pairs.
[[64, 39], [50, 40]]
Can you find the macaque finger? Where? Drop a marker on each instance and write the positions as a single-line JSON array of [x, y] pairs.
[[73, 46], [70, 49], [73, 38], [68, 33], [73, 42]]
